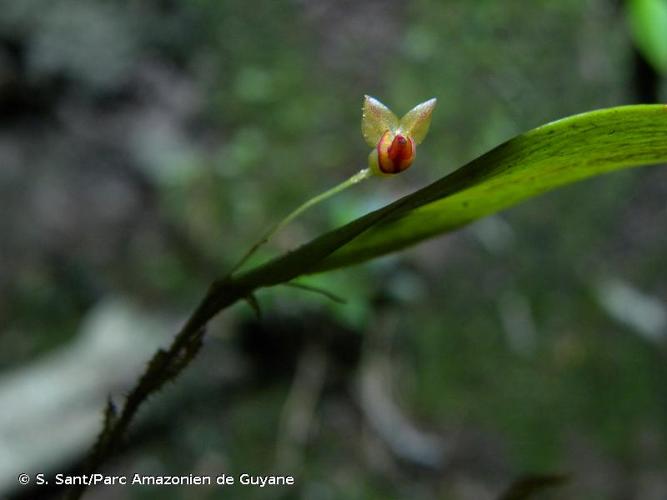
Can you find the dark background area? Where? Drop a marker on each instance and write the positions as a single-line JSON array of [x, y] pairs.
[[144, 145]]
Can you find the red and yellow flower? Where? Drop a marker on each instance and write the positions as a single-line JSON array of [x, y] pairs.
[[394, 141]]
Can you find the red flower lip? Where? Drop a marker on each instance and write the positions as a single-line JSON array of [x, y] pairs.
[[395, 153]]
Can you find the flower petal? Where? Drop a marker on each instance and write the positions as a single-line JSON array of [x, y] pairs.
[[416, 122], [376, 119]]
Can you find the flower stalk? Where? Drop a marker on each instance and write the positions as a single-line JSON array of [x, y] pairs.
[[394, 144], [355, 179]]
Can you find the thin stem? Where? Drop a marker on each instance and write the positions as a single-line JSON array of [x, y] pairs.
[[356, 178], [316, 289]]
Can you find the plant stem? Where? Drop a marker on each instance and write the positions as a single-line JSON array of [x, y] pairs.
[[164, 366], [355, 179]]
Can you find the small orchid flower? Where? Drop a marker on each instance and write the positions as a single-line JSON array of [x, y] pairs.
[[393, 141], [394, 144]]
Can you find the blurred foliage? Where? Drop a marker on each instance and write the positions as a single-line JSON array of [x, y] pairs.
[[145, 143], [648, 20]]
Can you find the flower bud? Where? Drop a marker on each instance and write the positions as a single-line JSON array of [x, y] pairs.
[[394, 141], [393, 154]]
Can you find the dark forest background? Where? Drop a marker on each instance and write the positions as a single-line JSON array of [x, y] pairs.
[[145, 144]]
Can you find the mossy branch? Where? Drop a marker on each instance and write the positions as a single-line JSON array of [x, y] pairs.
[[165, 365]]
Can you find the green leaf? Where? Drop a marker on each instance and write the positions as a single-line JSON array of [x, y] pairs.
[[648, 22], [547, 157]]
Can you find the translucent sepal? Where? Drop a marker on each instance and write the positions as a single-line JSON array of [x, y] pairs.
[[376, 119], [416, 122]]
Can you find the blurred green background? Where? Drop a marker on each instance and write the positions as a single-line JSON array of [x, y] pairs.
[[144, 145]]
